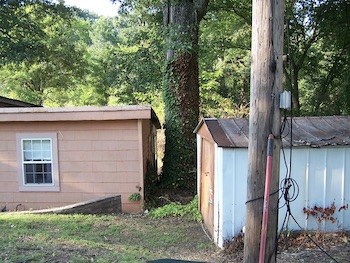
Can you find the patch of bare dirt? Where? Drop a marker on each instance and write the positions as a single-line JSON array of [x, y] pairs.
[[310, 247], [297, 246]]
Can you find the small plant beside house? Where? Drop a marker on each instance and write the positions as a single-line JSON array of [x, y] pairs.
[[135, 197]]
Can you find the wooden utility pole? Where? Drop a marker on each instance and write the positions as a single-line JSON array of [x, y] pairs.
[[265, 87]]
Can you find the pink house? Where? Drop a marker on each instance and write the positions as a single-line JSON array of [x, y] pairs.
[[52, 157]]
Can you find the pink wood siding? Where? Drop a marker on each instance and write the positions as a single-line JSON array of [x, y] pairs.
[[96, 158]]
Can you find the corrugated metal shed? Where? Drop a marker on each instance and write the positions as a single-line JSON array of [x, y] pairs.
[[320, 167], [306, 131]]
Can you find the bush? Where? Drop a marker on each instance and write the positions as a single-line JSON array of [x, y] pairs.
[[174, 209]]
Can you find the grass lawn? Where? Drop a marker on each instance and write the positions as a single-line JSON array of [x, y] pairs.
[[92, 238]]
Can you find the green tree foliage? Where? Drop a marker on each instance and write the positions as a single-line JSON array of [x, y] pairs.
[[140, 57], [162, 53], [225, 60], [318, 70], [125, 59], [42, 54], [22, 25], [89, 60], [48, 79]]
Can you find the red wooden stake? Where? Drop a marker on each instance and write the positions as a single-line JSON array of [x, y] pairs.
[[266, 198]]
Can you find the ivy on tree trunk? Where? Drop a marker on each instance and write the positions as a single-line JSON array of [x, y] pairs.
[[181, 90]]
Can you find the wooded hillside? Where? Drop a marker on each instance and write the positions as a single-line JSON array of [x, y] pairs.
[[55, 55]]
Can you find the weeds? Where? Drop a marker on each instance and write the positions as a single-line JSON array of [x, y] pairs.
[[174, 209], [135, 197], [324, 213]]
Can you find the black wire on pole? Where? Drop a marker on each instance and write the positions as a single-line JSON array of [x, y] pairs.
[[289, 186]]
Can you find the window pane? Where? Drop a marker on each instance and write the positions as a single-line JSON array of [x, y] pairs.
[[39, 179], [38, 168], [27, 144], [28, 168], [28, 156], [36, 145], [47, 167], [46, 155], [48, 178], [36, 156], [46, 145], [29, 173], [29, 179]]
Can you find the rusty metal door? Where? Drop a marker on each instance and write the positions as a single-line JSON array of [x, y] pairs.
[[207, 184]]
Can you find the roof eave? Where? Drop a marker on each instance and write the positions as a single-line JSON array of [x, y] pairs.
[[79, 114]]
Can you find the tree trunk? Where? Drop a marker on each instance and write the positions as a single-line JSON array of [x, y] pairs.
[[266, 83], [181, 91]]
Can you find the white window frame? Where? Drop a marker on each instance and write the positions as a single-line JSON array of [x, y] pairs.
[[40, 187]]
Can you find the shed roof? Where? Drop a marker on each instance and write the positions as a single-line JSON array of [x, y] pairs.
[[86, 113], [7, 102], [306, 131]]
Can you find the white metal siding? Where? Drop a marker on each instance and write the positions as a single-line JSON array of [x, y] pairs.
[[323, 179], [218, 196], [323, 176], [346, 187], [233, 168]]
